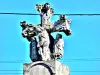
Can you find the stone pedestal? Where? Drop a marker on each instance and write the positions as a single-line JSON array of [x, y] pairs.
[[46, 68]]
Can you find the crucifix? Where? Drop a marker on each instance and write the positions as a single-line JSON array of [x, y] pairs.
[[47, 48]]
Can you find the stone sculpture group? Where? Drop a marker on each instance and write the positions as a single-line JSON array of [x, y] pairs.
[[47, 48]]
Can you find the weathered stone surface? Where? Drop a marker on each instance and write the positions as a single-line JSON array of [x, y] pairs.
[[45, 68]]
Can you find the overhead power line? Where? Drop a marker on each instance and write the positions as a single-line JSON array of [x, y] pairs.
[[23, 70], [18, 14], [64, 60], [91, 59], [70, 71], [10, 73], [5, 13]]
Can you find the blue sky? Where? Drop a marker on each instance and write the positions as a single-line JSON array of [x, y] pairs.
[[83, 44]]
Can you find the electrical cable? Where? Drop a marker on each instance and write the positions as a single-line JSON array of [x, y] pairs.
[[4, 13]]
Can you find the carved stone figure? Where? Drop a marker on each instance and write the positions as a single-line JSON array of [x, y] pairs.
[[29, 32], [34, 51], [58, 46], [43, 43], [62, 25]]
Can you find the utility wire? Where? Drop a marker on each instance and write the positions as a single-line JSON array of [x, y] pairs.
[[4, 13], [64, 60], [70, 71], [10, 73], [81, 60], [18, 14], [93, 59], [23, 70]]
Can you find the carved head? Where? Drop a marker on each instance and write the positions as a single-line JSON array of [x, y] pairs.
[[58, 36], [23, 24], [62, 17], [27, 30], [47, 5]]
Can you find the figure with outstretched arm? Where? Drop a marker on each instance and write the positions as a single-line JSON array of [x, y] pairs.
[[62, 25], [30, 32], [43, 43]]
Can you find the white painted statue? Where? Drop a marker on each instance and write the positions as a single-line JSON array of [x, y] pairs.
[[43, 43], [58, 46], [30, 31]]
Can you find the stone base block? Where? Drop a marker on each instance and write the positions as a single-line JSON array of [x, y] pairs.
[[46, 68]]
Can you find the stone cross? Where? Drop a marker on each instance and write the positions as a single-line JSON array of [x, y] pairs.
[[47, 48]]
